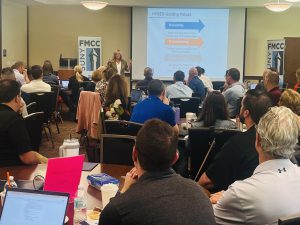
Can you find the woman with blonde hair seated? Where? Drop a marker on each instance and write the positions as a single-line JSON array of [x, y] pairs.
[[118, 64], [74, 85], [290, 99]]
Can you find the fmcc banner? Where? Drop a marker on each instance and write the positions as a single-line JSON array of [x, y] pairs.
[[275, 57], [89, 54]]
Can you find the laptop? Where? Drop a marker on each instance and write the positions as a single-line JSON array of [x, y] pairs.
[[252, 86], [136, 95], [31, 207], [64, 83]]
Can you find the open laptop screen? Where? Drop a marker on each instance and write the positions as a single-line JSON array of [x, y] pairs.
[[136, 95], [65, 83], [30, 207]]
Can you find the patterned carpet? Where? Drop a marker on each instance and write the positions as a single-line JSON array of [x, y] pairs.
[[66, 128]]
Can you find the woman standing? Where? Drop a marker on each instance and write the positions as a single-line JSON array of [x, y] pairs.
[[118, 64]]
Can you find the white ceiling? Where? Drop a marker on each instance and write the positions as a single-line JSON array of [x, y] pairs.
[[162, 3]]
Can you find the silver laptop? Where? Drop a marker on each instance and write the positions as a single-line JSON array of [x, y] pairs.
[[31, 207]]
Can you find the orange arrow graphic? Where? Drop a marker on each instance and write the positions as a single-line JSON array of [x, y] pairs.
[[184, 41]]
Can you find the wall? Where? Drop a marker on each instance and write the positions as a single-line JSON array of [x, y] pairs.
[[54, 30], [265, 25], [14, 33]]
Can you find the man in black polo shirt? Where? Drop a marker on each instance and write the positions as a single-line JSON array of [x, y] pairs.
[[14, 140], [152, 192], [238, 157]]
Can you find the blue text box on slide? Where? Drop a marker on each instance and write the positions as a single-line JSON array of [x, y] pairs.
[[185, 25]]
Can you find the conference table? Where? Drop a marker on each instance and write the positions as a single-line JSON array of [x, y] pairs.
[[24, 172]]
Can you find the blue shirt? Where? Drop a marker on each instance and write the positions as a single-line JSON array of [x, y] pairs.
[[153, 108], [197, 86], [178, 90]]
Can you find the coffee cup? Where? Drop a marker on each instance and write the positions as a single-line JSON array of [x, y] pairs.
[[108, 191]]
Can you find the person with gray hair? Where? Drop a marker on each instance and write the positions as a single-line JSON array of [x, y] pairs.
[[272, 192], [195, 83]]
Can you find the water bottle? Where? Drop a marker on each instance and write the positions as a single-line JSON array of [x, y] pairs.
[[13, 184], [80, 206]]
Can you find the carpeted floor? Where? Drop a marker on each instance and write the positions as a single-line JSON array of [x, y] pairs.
[[66, 128]]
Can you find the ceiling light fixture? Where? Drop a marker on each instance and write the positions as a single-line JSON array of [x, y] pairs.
[[277, 6], [94, 5], [293, 0]]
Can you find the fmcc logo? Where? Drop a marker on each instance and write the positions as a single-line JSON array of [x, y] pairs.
[[92, 58]]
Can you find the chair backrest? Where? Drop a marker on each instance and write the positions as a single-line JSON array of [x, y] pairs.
[[56, 90], [290, 220], [200, 140], [46, 102], [122, 127], [34, 126], [187, 105], [116, 149], [31, 107]]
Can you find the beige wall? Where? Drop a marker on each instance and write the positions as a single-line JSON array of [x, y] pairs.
[[264, 25], [54, 30], [14, 34]]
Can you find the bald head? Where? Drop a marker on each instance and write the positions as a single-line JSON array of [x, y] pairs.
[[271, 79], [193, 71], [148, 73]]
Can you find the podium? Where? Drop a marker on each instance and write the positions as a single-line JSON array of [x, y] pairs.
[[65, 74], [291, 60]]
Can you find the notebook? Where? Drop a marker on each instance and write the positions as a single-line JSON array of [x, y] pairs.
[[31, 207]]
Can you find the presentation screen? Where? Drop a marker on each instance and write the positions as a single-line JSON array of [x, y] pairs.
[[171, 39]]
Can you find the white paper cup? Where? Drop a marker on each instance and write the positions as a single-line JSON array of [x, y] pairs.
[[108, 191], [189, 117]]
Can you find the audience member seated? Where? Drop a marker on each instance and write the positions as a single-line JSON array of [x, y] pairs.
[[178, 89], [117, 94], [234, 91], [101, 86], [272, 192], [37, 84], [48, 74], [20, 73], [96, 77], [153, 187], [290, 99], [155, 106], [205, 79], [271, 83], [143, 84], [195, 83], [214, 113], [260, 85], [8, 74], [74, 84], [14, 139], [238, 158], [297, 85]]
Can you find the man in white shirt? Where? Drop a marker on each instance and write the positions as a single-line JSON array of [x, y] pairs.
[[272, 191], [20, 73], [37, 84], [234, 92], [178, 89], [205, 79]]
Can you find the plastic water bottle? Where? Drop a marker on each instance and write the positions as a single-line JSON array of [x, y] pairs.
[[13, 184], [80, 206]]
